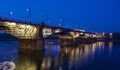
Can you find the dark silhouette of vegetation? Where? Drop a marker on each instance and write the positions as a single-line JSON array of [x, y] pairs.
[[116, 35]]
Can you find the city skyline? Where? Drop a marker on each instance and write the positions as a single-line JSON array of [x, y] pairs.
[[92, 16]]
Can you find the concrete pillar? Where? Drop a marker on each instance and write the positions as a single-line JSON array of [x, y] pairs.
[[34, 44]]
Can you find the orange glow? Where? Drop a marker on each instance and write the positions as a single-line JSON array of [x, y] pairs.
[[110, 46], [103, 34], [103, 44]]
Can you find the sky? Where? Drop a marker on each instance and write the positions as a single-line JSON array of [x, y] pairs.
[[90, 15]]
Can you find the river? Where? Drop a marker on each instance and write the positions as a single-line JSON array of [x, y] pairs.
[[94, 56]]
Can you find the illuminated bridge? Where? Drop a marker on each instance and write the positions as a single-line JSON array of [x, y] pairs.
[[28, 31]]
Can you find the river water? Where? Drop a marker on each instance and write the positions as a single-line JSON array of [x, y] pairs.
[[94, 56]]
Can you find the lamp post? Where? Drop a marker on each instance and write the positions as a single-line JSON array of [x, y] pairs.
[[29, 12], [47, 19], [71, 25], [62, 22], [10, 13], [59, 24]]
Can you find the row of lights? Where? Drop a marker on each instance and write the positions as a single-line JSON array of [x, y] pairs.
[[28, 10], [103, 35], [29, 18]]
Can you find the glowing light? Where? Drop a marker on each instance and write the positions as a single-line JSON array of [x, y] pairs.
[[13, 24], [110, 35], [103, 34], [27, 9], [47, 32], [103, 44], [22, 31], [10, 24], [57, 31], [110, 46], [81, 33], [79, 30], [10, 13]]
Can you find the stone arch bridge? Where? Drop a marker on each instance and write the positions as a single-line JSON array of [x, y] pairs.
[[26, 31]]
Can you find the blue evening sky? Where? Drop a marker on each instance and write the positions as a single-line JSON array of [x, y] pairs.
[[91, 15]]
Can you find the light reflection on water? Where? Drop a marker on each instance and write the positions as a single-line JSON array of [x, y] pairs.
[[99, 55]]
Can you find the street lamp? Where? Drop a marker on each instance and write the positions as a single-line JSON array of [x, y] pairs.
[[59, 24], [10, 13], [71, 25], [62, 22], [29, 12], [47, 20], [110, 35]]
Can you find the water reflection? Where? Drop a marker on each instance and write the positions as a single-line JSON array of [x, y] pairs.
[[63, 56], [67, 56], [57, 56], [28, 60], [110, 46], [103, 44], [79, 54]]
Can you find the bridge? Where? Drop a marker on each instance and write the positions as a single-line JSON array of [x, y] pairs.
[[26, 31]]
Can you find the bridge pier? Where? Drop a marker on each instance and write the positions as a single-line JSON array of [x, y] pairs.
[[31, 44]]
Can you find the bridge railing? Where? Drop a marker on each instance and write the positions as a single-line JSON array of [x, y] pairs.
[[16, 20]]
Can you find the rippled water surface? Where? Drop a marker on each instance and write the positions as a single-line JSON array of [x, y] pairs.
[[94, 56]]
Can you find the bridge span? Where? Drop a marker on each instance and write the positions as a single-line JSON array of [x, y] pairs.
[[36, 33]]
